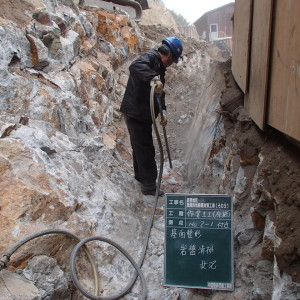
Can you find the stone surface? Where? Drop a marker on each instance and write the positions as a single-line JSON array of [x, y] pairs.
[[14, 286], [48, 277]]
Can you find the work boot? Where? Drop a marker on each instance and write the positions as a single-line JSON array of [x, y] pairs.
[[153, 193], [150, 189], [137, 179]]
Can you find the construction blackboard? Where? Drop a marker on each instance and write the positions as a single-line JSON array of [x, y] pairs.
[[198, 241]]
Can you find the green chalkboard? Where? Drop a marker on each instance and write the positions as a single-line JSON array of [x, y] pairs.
[[198, 241]]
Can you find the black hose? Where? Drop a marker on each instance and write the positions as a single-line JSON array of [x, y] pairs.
[[16, 246], [132, 3], [122, 250], [164, 131], [6, 256]]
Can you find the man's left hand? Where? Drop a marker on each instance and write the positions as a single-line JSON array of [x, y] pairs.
[[159, 87]]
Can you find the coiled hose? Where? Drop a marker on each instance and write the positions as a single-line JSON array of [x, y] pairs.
[[82, 243], [6, 256]]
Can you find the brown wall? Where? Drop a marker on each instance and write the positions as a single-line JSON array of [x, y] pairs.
[[222, 17], [201, 25]]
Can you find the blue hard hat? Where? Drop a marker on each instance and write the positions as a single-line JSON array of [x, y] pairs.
[[176, 46]]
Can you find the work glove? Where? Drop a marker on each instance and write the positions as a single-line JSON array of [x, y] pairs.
[[159, 87]]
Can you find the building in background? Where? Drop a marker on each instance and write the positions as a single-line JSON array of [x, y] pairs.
[[217, 25]]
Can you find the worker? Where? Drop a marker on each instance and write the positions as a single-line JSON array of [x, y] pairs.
[[136, 108]]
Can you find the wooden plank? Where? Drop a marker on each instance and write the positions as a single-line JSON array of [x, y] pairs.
[[256, 99], [241, 42], [284, 99]]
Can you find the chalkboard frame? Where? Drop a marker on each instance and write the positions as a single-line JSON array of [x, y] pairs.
[[229, 286]]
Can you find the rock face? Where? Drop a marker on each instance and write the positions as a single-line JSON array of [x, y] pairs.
[[65, 159]]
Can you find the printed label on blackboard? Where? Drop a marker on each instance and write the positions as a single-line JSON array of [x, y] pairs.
[[198, 241]]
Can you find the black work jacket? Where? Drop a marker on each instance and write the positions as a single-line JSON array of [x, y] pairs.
[[136, 100]]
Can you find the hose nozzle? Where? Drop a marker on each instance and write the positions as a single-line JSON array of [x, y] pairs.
[[4, 261]]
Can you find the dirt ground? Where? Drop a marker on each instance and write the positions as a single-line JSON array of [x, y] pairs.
[[281, 170]]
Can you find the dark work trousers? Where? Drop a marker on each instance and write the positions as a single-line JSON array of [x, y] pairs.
[[143, 151]]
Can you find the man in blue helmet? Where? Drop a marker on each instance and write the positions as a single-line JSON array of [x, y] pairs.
[[136, 108]]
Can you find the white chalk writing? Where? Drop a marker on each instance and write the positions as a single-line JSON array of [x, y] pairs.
[[194, 249]]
